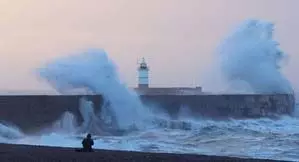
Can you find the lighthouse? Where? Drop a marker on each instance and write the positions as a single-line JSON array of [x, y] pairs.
[[143, 70]]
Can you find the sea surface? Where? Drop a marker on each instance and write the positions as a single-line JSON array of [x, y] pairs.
[[262, 138], [248, 57]]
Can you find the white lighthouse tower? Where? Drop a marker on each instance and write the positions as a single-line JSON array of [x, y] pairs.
[[143, 70]]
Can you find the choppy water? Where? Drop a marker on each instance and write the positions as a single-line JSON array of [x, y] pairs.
[[248, 60], [262, 138]]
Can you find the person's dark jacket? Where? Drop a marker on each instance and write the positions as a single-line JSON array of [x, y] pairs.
[[87, 144]]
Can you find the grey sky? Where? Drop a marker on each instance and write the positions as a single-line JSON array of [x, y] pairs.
[[177, 37]]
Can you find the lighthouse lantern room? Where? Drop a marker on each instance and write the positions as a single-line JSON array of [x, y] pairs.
[[143, 80]]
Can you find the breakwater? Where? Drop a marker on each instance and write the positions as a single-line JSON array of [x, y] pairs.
[[34, 112], [224, 106]]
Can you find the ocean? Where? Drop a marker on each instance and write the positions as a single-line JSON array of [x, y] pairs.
[[261, 138], [248, 57]]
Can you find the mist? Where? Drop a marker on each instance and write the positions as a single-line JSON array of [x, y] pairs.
[[249, 60]]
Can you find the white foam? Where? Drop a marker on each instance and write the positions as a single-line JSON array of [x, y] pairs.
[[248, 57], [249, 60], [94, 71]]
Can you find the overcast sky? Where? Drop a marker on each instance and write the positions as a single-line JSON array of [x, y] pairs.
[[177, 37]]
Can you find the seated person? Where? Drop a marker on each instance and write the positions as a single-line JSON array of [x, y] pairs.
[[87, 144]]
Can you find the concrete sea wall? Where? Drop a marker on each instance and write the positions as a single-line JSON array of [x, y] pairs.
[[34, 112], [224, 106], [37, 111]]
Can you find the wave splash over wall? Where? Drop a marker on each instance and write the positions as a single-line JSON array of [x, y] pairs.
[[93, 71], [250, 60]]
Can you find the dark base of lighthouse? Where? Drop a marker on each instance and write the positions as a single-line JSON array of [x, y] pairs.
[[143, 86]]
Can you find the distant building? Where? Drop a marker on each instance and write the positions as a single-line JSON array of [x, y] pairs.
[[144, 88]]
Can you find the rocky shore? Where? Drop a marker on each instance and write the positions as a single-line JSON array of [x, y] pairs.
[[27, 153]]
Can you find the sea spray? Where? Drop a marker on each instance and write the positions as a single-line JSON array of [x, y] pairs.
[[93, 123], [249, 60], [277, 138], [94, 71], [86, 109], [67, 124], [9, 132]]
